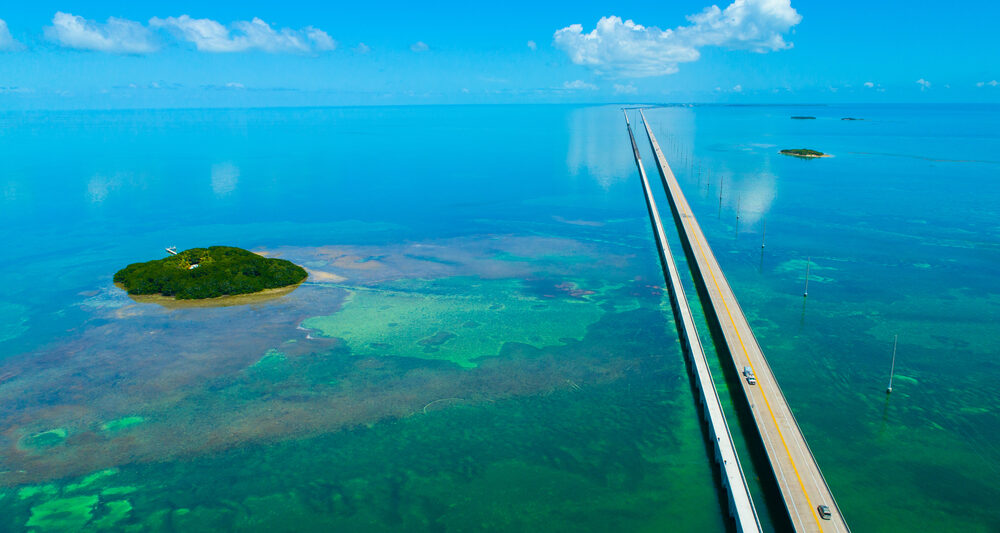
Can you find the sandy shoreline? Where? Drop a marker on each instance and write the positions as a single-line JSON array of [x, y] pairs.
[[220, 301]]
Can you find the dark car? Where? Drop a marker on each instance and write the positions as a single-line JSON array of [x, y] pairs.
[[824, 512]]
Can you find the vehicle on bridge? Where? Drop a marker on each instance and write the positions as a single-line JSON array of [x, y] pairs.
[[748, 373]]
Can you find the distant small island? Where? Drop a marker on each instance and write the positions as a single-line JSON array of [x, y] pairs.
[[803, 118], [201, 273], [851, 118], [804, 152]]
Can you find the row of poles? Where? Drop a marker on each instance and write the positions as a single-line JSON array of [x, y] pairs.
[[688, 163]]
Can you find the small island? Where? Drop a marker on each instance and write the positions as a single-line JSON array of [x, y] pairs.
[[801, 117], [804, 152], [212, 272]]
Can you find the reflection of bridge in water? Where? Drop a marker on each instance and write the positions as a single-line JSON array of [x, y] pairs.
[[797, 475]]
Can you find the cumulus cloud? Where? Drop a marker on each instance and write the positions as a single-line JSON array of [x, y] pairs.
[[7, 42], [117, 35], [623, 48], [208, 35], [924, 84], [419, 46], [625, 89], [362, 48], [533, 45], [579, 84], [869, 84], [739, 88], [993, 83], [320, 39]]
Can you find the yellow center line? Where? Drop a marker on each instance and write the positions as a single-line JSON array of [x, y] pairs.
[[698, 241], [761, 390]]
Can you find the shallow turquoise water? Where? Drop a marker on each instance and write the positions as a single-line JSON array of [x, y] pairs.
[[529, 220]]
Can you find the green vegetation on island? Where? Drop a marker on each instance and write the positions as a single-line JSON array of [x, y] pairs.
[[803, 152], [208, 273]]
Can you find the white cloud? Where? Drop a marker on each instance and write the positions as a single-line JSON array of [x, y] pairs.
[[208, 35], [627, 49], [235, 85], [579, 84], [625, 89], [924, 84], [993, 83], [7, 42], [419, 46], [533, 45], [737, 88], [362, 48], [116, 35], [320, 39], [869, 84]]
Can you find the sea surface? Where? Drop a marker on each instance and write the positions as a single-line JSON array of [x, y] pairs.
[[483, 342]]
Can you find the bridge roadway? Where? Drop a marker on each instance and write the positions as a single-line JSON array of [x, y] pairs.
[[740, 502], [796, 471]]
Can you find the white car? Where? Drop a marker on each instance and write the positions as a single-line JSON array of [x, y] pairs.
[[748, 373]]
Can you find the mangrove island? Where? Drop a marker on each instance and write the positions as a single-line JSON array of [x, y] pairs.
[[804, 152], [211, 272]]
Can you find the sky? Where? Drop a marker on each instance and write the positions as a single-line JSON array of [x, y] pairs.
[[115, 54]]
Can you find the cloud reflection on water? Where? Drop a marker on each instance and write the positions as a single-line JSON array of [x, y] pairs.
[[225, 177], [598, 145]]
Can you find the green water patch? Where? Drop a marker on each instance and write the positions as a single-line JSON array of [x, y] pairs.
[[270, 359], [46, 439], [122, 423], [272, 366], [434, 319], [63, 514], [26, 493], [113, 513], [118, 491], [90, 479]]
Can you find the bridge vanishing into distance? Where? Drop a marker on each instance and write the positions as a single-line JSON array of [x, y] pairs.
[[807, 498], [740, 501]]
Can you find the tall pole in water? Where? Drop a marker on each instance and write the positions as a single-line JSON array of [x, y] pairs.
[[806, 293], [763, 234], [892, 369], [739, 199]]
